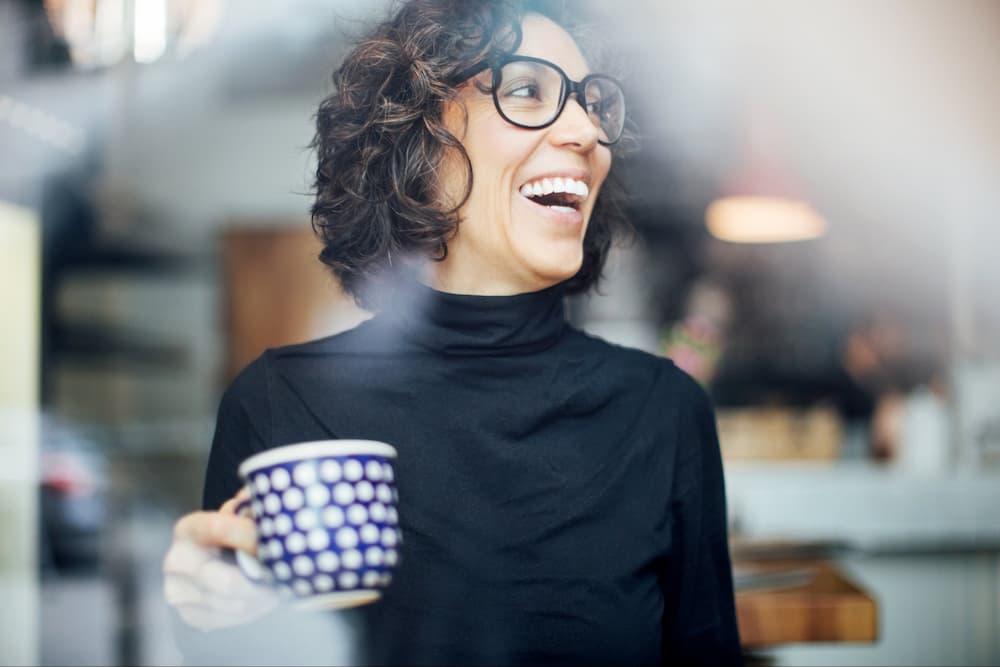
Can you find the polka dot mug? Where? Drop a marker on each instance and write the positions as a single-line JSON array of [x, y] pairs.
[[327, 525]]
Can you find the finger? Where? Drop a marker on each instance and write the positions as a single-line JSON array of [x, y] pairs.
[[206, 572], [185, 595], [212, 612], [180, 591], [229, 507], [186, 557], [213, 529], [228, 592], [221, 578], [206, 618]]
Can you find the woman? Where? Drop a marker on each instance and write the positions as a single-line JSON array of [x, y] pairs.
[[562, 497]]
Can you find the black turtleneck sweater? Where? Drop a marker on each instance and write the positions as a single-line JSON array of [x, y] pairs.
[[561, 498]]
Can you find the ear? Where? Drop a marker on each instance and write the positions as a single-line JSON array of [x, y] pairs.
[[453, 173], [455, 115]]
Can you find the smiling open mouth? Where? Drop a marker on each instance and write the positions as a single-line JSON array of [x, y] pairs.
[[559, 194]]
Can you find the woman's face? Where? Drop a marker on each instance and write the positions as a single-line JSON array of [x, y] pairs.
[[506, 243]]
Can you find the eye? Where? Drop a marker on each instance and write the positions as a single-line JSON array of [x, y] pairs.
[[604, 108], [523, 88], [596, 107]]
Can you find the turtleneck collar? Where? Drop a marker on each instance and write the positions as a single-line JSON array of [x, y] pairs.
[[465, 324]]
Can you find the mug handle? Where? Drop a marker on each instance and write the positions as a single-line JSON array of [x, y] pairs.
[[252, 568]]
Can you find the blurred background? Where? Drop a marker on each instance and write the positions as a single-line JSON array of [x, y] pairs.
[[816, 198]]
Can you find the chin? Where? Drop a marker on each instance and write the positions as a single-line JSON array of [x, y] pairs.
[[552, 272]]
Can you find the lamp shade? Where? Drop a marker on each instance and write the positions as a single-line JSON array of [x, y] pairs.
[[760, 200], [763, 219]]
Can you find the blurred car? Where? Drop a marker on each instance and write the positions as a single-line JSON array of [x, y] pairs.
[[72, 502]]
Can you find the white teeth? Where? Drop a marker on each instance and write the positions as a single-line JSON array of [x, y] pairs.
[[563, 209], [547, 186]]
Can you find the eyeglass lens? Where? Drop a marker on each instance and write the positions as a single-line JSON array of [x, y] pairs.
[[530, 94]]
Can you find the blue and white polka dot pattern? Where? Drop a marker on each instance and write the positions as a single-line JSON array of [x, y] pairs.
[[310, 546]]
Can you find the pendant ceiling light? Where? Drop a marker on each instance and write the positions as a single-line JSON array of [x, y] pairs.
[[760, 201], [103, 32]]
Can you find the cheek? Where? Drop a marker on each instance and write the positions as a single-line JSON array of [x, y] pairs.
[[602, 162], [497, 151], [602, 167]]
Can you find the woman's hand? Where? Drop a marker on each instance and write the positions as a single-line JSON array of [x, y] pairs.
[[207, 591]]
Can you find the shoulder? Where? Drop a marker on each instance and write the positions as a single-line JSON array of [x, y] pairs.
[[592, 345], [667, 388], [313, 354], [345, 342], [670, 378], [254, 381], [250, 383]]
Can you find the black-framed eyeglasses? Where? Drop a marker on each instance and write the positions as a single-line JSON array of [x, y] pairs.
[[531, 93]]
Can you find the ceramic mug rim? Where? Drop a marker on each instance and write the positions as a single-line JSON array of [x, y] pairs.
[[315, 449]]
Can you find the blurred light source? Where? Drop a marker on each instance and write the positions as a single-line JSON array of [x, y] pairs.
[[150, 30], [110, 41], [758, 219], [103, 32], [93, 29], [760, 201]]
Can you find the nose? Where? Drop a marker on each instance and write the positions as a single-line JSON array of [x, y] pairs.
[[574, 128]]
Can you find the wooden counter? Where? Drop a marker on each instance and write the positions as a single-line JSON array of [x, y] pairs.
[[782, 602]]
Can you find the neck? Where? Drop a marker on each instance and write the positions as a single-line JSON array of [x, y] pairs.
[[443, 277]]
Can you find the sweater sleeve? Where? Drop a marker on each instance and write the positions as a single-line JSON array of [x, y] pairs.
[[699, 624], [242, 428]]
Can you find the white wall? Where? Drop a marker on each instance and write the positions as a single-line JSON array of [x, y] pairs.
[[19, 283]]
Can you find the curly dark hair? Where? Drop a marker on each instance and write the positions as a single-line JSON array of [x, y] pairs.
[[380, 138]]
